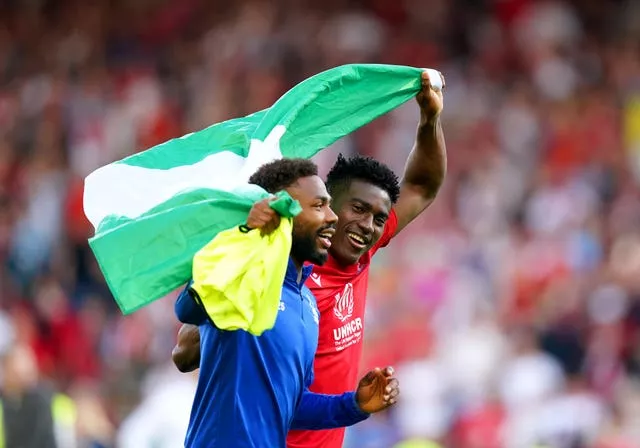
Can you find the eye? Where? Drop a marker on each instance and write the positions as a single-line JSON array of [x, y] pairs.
[[380, 222], [358, 208]]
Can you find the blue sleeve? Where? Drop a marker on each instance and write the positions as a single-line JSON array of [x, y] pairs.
[[187, 310], [320, 411]]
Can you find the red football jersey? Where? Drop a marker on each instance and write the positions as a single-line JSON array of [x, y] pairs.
[[341, 294]]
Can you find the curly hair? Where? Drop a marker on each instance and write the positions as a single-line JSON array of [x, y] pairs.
[[282, 173], [365, 169]]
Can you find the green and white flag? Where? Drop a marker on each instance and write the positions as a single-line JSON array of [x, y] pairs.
[[154, 210]]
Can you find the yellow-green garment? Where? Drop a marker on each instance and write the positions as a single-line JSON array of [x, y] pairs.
[[238, 276]]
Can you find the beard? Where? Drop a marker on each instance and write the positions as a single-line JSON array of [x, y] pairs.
[[304, 247]]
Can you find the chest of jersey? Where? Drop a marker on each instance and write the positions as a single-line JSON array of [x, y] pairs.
[[341, 300], [296, 327], [249, 386]]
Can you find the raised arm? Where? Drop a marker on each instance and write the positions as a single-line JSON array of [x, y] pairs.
[[427, 163], [376, 391]]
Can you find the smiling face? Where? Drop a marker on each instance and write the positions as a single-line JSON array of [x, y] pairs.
[[314, 227], [363, 210]]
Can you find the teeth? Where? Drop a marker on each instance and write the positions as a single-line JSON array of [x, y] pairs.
[[358, 238]]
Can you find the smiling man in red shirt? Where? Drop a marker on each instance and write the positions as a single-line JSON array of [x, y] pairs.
[[372, 207]]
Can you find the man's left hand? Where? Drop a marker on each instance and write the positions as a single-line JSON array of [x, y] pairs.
[[430, 99], [377, 390]]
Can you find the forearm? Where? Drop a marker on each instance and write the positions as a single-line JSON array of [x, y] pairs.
[[427, 163], [319, 411], [424, 172]]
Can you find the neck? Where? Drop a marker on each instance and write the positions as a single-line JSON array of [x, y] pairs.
[[341, 263], [297, 263]]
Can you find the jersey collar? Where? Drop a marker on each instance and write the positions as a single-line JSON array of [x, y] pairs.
[[348, 269], [333, 264], [292, 272]]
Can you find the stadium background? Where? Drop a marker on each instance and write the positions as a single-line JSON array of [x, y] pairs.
[[511, 309]]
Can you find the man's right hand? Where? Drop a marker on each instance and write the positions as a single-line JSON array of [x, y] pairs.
[[263, 217]]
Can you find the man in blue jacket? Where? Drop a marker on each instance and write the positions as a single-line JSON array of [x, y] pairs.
[[252, 389]]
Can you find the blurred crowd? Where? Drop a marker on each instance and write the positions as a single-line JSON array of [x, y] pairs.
[[511, 309]]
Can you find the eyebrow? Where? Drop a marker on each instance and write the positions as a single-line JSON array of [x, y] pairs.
[[369, 206], [324, 199]]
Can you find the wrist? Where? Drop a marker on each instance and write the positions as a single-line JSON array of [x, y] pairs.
[[356, 405], [428, 122]]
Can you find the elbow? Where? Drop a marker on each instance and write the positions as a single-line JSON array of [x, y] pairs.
[[433, 181], [434, 188], [182, 361], [430, 186], [186, 353]]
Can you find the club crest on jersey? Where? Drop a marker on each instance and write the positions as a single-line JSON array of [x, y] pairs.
[[343, 308]]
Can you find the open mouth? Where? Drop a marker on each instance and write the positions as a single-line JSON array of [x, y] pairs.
[[357, 241], [325, 237]]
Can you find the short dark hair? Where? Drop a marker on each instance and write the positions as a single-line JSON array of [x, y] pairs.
[[282, 173], [365, 169]]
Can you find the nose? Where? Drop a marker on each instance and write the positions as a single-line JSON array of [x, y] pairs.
[[366, 224], [330, 217]]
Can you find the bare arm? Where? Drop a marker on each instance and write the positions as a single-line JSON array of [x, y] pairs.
[[186, 353], [427, 162]]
